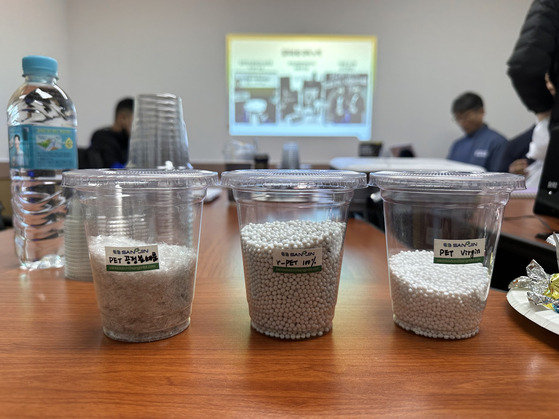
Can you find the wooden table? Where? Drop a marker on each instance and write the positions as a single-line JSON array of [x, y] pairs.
[[55, 360], [520, 221]]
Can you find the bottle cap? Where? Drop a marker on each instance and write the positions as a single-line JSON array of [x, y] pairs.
[[40, 66]]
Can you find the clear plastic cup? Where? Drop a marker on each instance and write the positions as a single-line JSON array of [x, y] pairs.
[[158, 138], [442, 230], [76, 253], [142, 229], [290, 156], [292, 227]]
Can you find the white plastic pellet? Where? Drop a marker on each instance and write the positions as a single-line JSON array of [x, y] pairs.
[[292, 305], [437, 300]]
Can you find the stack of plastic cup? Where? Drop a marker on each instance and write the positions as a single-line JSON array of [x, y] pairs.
[[158, 138], [290, 156], [159, 141], [77, 265]]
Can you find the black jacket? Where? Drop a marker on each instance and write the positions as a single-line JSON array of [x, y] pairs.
[[515, 149], [536, 53], [108, 149]]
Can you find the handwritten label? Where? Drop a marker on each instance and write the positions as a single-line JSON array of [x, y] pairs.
[[459, 251], [297, 261], [132, 259]]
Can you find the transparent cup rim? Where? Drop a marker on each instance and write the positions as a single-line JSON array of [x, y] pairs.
[[297, 180], [425, 180], [93, 179]]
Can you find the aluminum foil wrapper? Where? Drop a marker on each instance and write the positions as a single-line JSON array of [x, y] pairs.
[[543, 288]]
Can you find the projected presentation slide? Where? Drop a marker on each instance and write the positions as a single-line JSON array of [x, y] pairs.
[[300, 85]]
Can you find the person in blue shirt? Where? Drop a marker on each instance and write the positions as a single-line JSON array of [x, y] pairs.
[[480, 145]]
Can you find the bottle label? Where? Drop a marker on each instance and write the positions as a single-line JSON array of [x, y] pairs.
[[40, 147]]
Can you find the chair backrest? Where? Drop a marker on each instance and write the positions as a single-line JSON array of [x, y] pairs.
[[83, 162], [89, 159]]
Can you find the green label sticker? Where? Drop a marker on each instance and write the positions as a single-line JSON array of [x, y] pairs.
[[297, 261], [459, 251], [132, 259]]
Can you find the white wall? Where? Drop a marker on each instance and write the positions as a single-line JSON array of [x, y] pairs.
[[429, 51], [43, 31]]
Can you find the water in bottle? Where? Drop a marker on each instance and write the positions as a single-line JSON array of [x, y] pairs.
[[42, 142]]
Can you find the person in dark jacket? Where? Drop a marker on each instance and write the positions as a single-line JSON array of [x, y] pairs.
[[109, 146], [536, 54], [513, 157], [534, 71]]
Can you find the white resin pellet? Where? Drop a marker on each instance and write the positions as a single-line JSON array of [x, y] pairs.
[[146, 305], [292, 305], [437, 300]]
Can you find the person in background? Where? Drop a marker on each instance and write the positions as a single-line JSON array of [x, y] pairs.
[[525, 153], [109, 146], [480, 145], [533, 68], [513, 157]]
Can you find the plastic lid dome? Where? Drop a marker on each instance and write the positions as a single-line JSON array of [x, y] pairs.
[[93, 179], [422, 180], [294, 179]]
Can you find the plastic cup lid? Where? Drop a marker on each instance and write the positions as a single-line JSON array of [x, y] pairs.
[[91, 179], [416, 180], [293, 179]]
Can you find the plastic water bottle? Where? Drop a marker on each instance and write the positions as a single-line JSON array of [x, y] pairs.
[[42, 128]]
